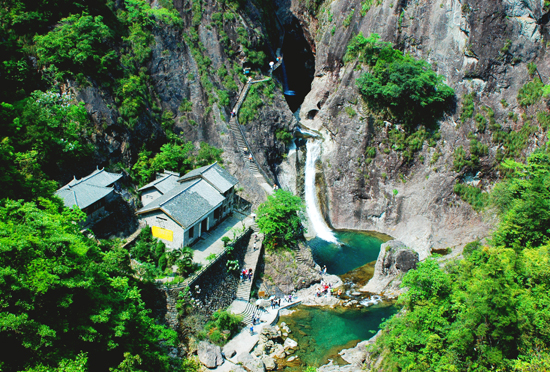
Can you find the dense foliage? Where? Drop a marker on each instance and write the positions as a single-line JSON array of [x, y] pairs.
[[279, 218], [62, 294], [399, 85], [488, 311], [177, 156]]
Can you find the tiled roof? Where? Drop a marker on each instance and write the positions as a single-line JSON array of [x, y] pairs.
[[218, 177], [88, 190], [188, 202], [163, 184]]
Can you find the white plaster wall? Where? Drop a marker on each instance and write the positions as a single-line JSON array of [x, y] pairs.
[[152, 220]]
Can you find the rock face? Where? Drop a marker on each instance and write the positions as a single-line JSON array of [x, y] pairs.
[[479, 46], [286, 272], [210, 355], [251, 363], [393, 260]]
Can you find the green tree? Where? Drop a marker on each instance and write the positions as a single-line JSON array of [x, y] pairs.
[[79, 41], [406, 88], [63, 295], [279, 218], [488, 311]]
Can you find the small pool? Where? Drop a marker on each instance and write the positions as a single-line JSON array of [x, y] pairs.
[[357, 249], [322, 332]]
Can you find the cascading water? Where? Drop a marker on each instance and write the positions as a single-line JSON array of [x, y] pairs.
[[312, 206]]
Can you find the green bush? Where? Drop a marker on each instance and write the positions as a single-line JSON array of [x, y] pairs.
[[481, 122], [472, 195], [407, 89], [530, 93], [283, 135], [79, 41], [279, 219], [467, 106]]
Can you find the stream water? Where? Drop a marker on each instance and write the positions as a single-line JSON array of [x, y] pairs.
[[354, 249], [323, 332]]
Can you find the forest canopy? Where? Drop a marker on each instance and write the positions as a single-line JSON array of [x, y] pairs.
[[399, 85], [488, 311]]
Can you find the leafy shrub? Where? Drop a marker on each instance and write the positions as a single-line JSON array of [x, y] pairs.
[[283, 135], [185, 263], [397, 84], [472, 195], [222, 326], [481, 122], [467, 106], [186, 105], [78, 42], [530, 93]]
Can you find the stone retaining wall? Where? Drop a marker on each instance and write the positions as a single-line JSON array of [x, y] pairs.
[[217, 286]]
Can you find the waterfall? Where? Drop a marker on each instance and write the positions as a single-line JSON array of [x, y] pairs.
[[286, 88], [312, 206]]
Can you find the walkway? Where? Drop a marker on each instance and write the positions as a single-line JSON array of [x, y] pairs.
[[244, 342], [238, 134]]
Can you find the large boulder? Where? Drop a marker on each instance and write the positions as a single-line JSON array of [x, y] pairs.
[[251, 363], [290, 344], [210, 355], [394, 260], [269, 363]]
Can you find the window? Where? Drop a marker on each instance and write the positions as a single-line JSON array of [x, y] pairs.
[[191, 232], [217, 213]]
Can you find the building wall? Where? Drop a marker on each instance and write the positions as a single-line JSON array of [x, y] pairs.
[[147, 196], [160, 219]]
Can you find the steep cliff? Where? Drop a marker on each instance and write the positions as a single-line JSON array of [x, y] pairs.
[[483, 49], [194, 76]]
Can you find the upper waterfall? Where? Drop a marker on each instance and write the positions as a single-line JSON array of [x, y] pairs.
[[317, 221]]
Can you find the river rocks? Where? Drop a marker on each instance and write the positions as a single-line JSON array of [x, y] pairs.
[[210, 355], [394, 259], [290, 344], [251, 363], [308, 295], [356, 355], [229, 352], [269, 363], [269, 333]]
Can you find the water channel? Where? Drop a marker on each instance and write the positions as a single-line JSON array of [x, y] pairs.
[[322, 332]]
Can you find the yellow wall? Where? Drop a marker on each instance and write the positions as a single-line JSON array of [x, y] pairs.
[[159, 232]]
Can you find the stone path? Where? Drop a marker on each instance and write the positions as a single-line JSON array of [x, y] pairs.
[[240, 138], [244, 342]]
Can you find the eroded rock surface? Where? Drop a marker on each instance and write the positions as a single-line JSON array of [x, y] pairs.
[[394, 259], [210, 355]]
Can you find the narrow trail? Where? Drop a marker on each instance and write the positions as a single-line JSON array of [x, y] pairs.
[[238, 134]]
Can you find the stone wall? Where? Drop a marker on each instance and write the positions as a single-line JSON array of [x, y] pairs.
[[217, 287]]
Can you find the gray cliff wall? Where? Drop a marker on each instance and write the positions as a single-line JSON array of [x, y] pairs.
[[173, 75], [464, 41]]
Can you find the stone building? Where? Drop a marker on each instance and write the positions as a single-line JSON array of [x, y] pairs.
[[200, 200], [91, 194]]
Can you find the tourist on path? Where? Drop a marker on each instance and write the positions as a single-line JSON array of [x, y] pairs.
[[249, 274]]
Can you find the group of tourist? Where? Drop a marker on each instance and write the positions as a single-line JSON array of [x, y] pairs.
[[246, 274], [325, 289]]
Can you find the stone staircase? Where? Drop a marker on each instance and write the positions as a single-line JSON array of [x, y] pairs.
[[242, 305], [242, 143]]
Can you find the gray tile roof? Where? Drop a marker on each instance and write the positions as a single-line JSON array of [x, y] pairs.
[[218, 177], [88, 190], [188, 202], [163, 184]]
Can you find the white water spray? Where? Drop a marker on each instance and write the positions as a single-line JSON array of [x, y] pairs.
[[312, 206]]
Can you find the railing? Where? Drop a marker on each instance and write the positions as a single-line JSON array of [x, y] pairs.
[[188, 282]]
